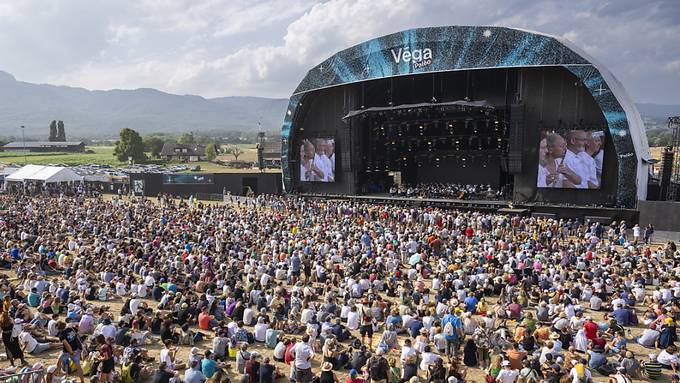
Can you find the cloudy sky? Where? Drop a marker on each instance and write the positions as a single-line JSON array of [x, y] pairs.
[[263, 48]]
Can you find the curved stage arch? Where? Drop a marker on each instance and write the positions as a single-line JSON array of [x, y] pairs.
[[458, 48]]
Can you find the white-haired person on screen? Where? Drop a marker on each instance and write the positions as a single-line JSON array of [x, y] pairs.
[[330, 152], [321, 159], [309, 170], [578, 162], [543, 173], [560, 175], [595, 150]]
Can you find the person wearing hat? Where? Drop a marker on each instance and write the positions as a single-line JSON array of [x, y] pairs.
[[327, 375], [507, 373], [668, 335]]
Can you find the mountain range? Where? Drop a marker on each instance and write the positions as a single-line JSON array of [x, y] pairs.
[[101, 114]]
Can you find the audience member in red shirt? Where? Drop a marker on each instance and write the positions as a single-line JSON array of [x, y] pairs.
[[590, 328]]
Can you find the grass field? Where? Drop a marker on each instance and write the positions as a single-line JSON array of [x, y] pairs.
[[103, 155]]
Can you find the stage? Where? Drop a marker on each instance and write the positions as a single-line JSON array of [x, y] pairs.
[[600, 214]]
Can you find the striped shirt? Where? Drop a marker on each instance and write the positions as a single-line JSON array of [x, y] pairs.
[[652, 369]]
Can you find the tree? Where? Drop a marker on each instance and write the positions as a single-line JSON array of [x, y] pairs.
[[234, 151], [130, 145], [187, 138], [61, 133], [154, 145], [53, 131], [210, 152]]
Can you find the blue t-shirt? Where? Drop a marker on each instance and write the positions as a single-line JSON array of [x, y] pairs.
[[33, 299], [622, 316], [208, 366], [471, 304], [414, 327], [455, 322]]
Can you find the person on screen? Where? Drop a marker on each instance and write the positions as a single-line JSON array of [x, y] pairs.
[[330, 145], [543, 172], [322, 160], [560, 174], [594, 149], [577, 175], [309, 170], [578, 160]]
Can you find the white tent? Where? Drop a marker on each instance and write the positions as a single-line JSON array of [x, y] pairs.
[[46, 174]]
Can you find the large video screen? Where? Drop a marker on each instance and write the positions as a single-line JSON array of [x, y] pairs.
[[317, 159], [570, 159]]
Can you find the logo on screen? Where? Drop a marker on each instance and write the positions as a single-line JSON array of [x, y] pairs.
[[419, 58]]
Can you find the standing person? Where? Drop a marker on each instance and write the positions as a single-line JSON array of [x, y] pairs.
[[452, 331], [71, 349], [267, 371], [106, 361], [303, 360], [649, 231], [366, 320], [378, 368], [12, 346]]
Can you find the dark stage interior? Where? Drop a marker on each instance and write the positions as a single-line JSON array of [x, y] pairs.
[[469, 127]]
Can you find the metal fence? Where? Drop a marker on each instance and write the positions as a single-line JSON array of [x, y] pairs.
[[34, 376]]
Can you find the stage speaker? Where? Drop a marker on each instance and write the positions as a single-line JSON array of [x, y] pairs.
[[666, 173], [344, 137], [516, 142]]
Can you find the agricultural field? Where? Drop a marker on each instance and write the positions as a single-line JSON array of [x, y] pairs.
[[103, 155]]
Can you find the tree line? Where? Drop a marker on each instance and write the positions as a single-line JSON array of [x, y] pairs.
[[131, 145]]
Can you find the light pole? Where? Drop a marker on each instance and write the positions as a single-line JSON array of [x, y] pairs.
[[23, 141]]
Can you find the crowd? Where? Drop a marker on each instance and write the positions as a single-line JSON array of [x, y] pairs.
[[449, 191], [301, 290]]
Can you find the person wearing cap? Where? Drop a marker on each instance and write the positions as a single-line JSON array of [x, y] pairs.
[[353, 377], [507, 373]]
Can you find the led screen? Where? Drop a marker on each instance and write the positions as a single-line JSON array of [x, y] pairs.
[[317, 159], [570, 159]]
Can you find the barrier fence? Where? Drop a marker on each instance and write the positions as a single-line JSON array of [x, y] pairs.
[[33, 376]]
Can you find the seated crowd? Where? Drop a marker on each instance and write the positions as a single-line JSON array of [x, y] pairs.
[[302, 290]]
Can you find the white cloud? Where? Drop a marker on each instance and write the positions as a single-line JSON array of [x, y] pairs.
[[264, 47]]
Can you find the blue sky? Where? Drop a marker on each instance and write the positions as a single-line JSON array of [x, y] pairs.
[[218, 48]]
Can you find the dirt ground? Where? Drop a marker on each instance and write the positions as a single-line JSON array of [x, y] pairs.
[[474, 374]]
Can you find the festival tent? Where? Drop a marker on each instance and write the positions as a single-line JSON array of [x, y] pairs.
[[45, 174]]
